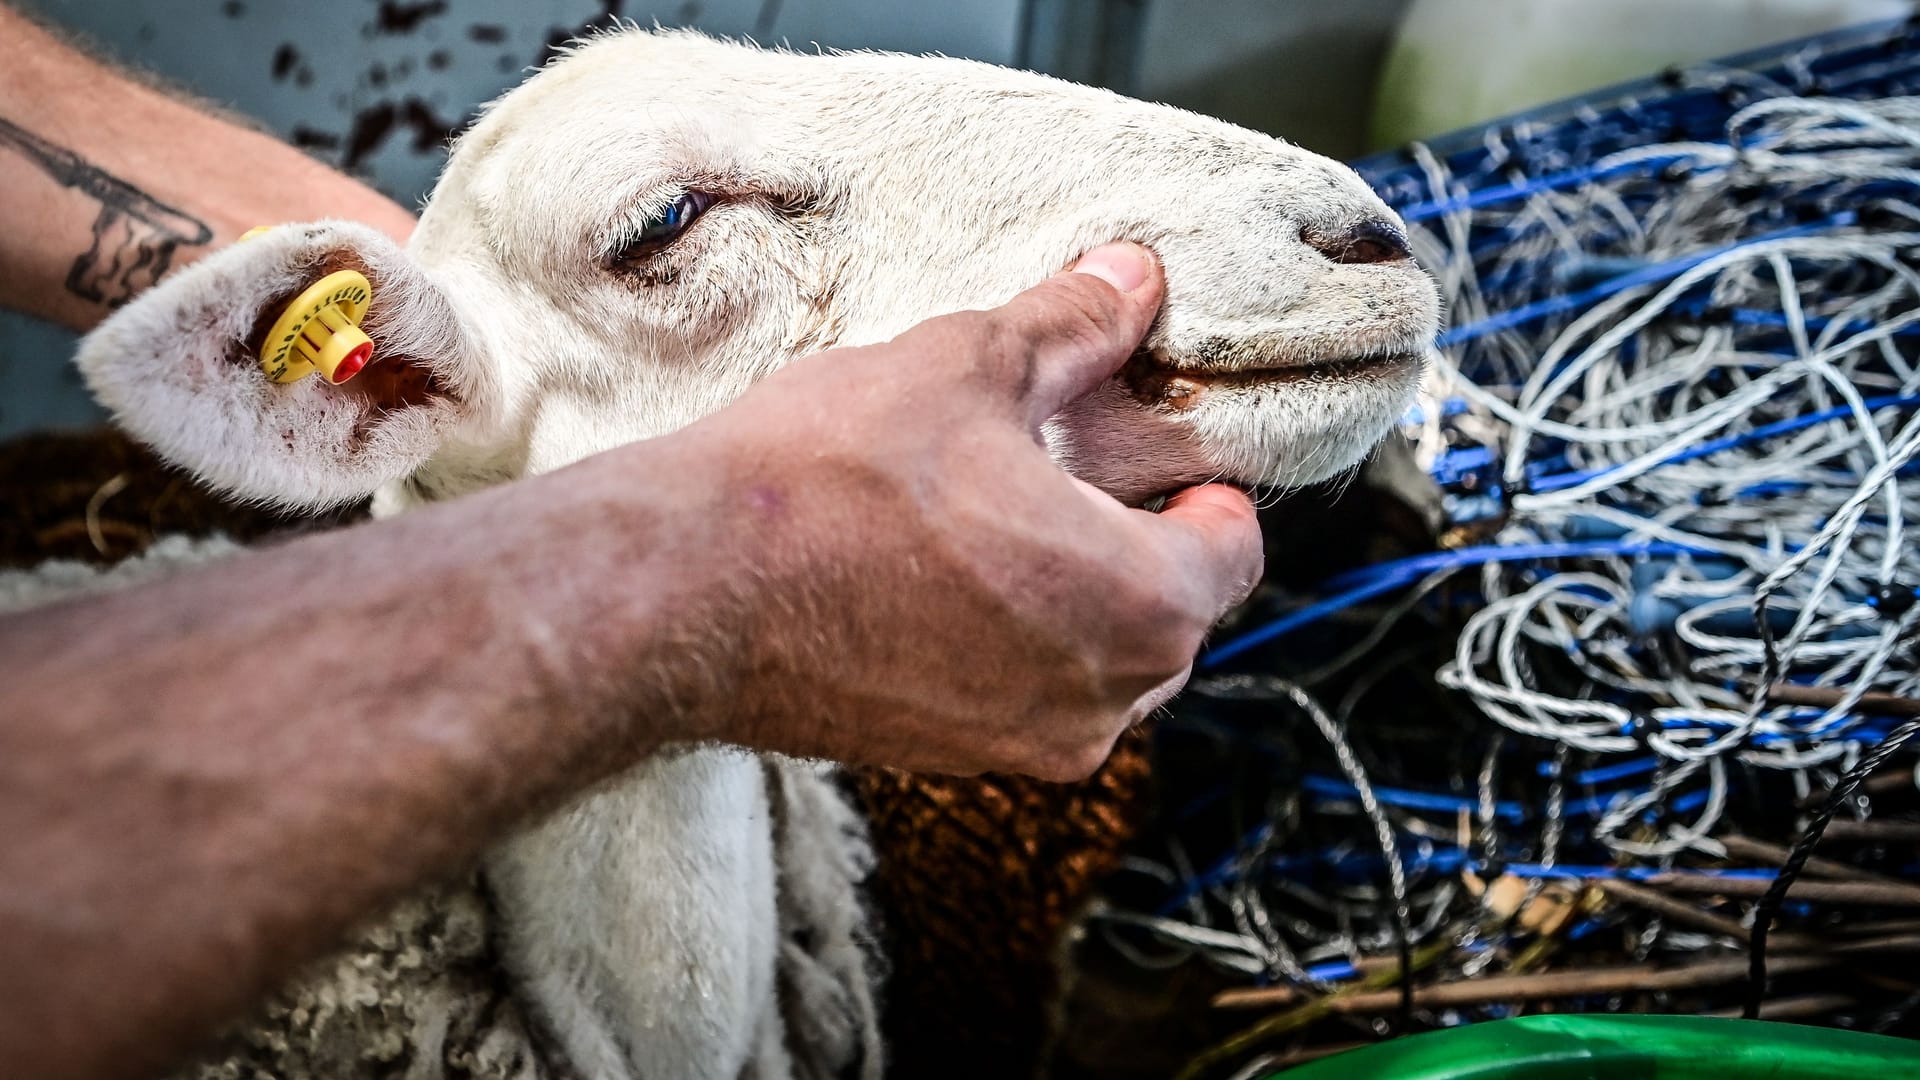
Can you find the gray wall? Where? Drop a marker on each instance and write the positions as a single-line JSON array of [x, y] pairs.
[[1301, 69]]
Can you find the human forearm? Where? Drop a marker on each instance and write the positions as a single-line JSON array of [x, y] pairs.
[[867, 558], [110, 183], [205, 781]]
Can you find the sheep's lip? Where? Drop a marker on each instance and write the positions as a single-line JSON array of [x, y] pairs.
[[1154, 377]]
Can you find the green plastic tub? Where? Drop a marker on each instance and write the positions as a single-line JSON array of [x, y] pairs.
[[1625, 1048]]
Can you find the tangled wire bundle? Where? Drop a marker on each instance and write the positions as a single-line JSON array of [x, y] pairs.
[[1677, 428]]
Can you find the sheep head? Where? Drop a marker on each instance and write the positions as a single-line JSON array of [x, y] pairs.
[[627, 241]]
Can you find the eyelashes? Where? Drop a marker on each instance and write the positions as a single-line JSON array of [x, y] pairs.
[[645, 235]]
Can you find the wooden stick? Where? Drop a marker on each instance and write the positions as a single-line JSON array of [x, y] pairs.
[[1876, 786], [1582, 982], [1255, 997], [1515, 989], [1686, 914], [1891, 832], [1789, 1008], [1826, 697], [1877, 928], [1678, 910], [1886, 894], [1746, 847]]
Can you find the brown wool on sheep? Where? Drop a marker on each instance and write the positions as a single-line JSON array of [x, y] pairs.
[[48, 482]]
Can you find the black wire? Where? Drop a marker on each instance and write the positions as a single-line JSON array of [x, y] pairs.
[[1887, 1020], [1776, 896], [1356, 774], [1483, 810]]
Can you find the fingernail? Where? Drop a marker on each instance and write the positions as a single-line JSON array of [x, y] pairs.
[[1124, 266]]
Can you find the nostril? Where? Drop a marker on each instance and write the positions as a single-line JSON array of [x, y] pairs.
[[1370, 241]]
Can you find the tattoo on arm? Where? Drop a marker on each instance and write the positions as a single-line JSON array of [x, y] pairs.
[[134, 236]]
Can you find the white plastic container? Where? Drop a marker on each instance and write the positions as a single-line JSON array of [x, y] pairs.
[[1461, 62]]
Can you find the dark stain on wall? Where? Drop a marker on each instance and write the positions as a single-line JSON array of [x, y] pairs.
[[382, 112], [398, 18], [372, 127], [309, 139]]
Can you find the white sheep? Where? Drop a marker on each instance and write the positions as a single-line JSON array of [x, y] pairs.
[[623, 245]]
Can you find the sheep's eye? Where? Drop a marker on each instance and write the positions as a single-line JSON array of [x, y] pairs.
[[662, 228]]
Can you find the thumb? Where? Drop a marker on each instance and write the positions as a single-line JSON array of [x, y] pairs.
[[1058, 340], [1084, 324]]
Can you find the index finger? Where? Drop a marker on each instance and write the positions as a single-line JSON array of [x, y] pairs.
[[1217, 537]]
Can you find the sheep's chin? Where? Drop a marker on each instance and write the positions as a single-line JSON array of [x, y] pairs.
[[1276, 431]]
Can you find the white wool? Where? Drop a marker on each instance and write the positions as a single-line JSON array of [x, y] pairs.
[[650, 924], [52, 582]]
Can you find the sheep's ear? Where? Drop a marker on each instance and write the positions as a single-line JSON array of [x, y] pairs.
[[180, 369]]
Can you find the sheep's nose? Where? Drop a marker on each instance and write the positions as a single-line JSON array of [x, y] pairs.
[[1370, 241]]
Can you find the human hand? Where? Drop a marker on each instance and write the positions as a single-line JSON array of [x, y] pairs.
[[913, 582]]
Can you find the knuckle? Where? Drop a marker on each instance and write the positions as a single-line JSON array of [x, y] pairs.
[[1171, 654], [1082, 310], [1164, 616], [999, 348], [1169, 644], [975, 329], [1072, 310]]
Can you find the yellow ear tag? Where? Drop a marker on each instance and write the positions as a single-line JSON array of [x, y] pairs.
[[320, 331]]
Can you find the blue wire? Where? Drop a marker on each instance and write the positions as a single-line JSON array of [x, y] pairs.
[[1520, 189], [1713, 446], [1776, 320], [1218, 871], [1603, 774], [1692, 800], [1312, 613], [1328, 787], [1385, 577], [1415, 566], [1540, 309], [1596, 806], [1631, 873], [1332, 971], [1452, 406], [1450, 860]]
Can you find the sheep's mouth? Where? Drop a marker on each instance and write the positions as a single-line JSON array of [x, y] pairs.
[[1157, 379]]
